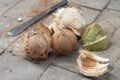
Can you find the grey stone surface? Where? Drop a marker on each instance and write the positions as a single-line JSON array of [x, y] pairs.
[[67, 62], [108, 14], [115, 21], [114, 4], [92, 3], [89, 14], [6, 4], [5, 25], [55, 73], [21, 10], [116, 71], [113, 52], [15, 68], [1, 51], [17, 49], [107, 27]]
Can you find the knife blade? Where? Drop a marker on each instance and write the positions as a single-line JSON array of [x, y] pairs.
[[17, 30]]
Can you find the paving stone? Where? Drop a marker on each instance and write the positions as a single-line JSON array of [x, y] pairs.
[[113, 52], [17, 49], [6, 4], [115, 72], [108, 14], [114, 4], [115, 21], [55, 73], [89, 14], [69, 62], [1, 51], [91, 3], [21, 10], [14, 68], [107, 27], [5, 25]]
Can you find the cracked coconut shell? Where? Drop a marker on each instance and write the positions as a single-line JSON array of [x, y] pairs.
[[91, 65], [38, 44], [64, 42], [93, 38]]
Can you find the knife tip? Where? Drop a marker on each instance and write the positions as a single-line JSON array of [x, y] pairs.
[[9, 34]]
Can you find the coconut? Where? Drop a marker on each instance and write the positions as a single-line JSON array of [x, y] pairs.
[[39, 43], [92, 65], [69, 18], [64, 42], [93, 38]]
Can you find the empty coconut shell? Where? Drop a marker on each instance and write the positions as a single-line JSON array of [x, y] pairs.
[[64, 42], [93, 38], [90, 64]]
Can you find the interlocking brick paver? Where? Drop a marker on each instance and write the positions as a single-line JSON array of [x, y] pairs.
[[92, 3], [55, 73], [69, 62], [113, 52], [115, 72], [107, 27], [89, 14], [5, 5], [115, 21], [21, 10], [108, 14], [17, 49], [114, 4], [15, 68], [1, 51], [5, 25]]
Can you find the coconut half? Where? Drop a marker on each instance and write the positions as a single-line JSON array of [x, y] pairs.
[[91, 65], [93, 38]]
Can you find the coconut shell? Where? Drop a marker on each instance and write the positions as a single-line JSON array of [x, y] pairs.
[[92, 65], [93, 38], [64, 42], [37, 45]]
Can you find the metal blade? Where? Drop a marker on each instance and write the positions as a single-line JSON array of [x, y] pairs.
[[17, 30]]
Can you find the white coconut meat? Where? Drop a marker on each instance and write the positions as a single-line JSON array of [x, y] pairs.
[[91, 65], [70, 18]]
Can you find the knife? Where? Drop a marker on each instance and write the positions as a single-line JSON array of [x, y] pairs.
[[17, 30]]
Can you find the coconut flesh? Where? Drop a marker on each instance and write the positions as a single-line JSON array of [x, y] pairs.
[[91, 65], [93, 38], [38, 44], [64, 42], [68, 18]]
